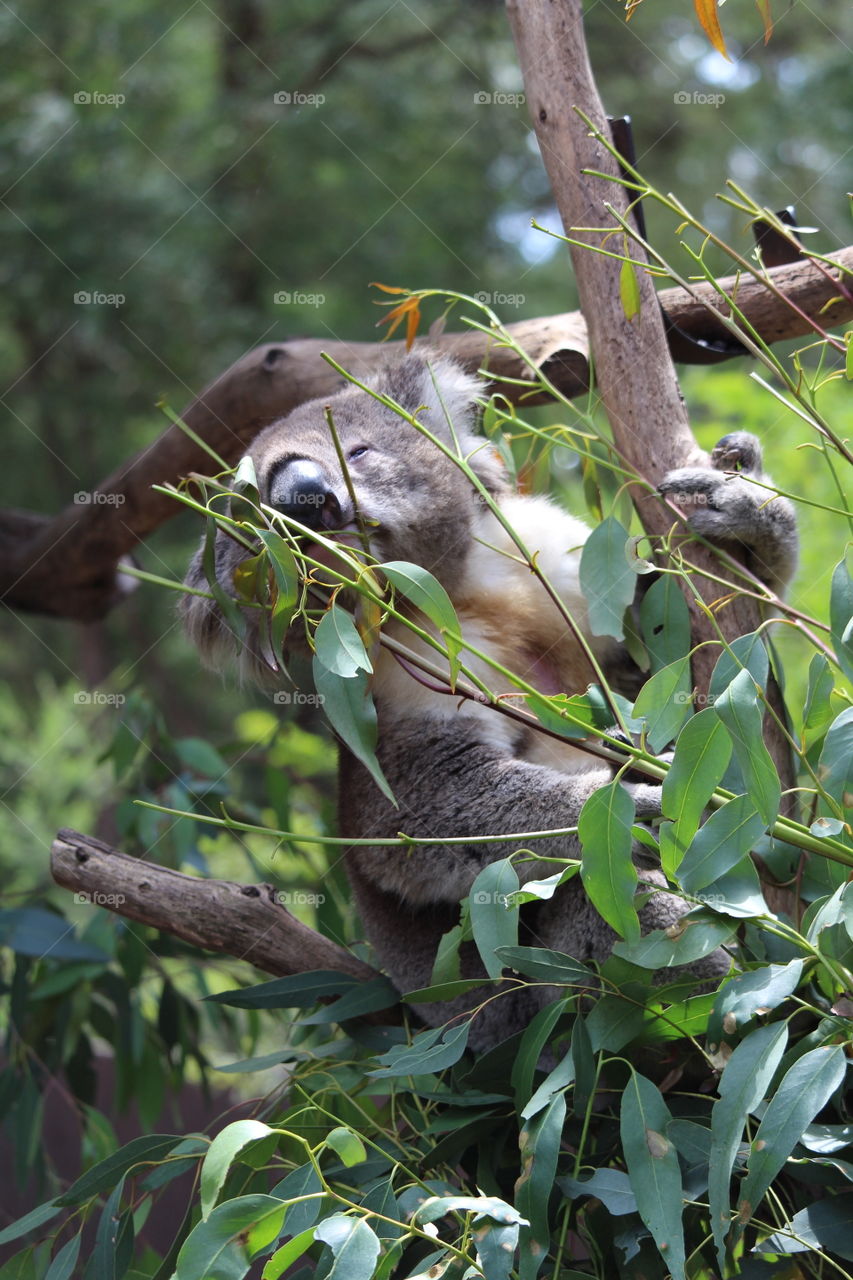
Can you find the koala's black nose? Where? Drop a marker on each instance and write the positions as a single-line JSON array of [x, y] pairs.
[[300, 490]]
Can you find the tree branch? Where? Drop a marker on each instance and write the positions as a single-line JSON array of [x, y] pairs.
[[68, 566], [244, 921]]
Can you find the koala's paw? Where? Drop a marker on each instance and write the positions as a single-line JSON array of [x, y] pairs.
[[738, 451], [728, 503]]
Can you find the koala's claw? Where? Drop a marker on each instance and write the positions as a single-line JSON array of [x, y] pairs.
[[738, 451]]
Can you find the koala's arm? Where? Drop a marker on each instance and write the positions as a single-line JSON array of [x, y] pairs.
[[450, 780], [724, 505]]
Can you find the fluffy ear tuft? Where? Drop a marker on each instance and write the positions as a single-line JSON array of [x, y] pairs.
[[441, 385]]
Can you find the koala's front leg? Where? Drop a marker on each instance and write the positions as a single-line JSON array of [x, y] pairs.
[[450, 779], [724, 505]]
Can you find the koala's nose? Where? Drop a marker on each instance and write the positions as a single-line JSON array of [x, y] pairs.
[[300, 490]]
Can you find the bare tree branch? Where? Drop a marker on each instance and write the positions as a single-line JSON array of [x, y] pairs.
[[244, 921]]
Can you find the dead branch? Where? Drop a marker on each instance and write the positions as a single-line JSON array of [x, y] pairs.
[[242, 920], [67, 566]]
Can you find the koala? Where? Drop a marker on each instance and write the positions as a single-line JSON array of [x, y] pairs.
[[457, 767]]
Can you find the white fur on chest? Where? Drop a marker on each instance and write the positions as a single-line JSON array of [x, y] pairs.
[[508, 616]]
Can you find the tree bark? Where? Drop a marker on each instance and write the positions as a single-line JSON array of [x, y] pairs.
[[68, 566], [634, 375], [244, 921]]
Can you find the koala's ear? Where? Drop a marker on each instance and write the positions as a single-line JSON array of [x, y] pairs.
[[441, 386]]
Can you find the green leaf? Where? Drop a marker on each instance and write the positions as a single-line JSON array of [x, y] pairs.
[[201, 757], [539, 1146], [835, 770], [741, 712], [805, 1088], [533, 1041], [742, 997], [745, 653], [367, 997], [349, 708], [222, 1153], [556, 1082], [354, 1245], [840, 617], [695, 936], [702, 751], [548, 966], [744, 1082], [34, 931], [719, 845], [62, 1266], [826, 1224], [629, 289], [294, 1190], [665, 620], [653, 1168], [611, 1186], [298, 992], [347, 1145], [430, 1051], [339, 646], [216, 1249], [106, 1249], [496, 1245], [607, 868], [665, 702], [427, 594], [606, 579], [817, 711], [30, 1221], [287, 1254], [584, 1063], [286, 574], [106, 1173], [435, 1207], [494, 918]]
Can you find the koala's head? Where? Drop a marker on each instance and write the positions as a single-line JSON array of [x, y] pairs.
[[414, 501]]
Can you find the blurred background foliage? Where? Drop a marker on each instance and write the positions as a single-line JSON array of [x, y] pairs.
[[238, 172]]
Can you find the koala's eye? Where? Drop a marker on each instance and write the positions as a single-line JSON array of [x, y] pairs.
[[358, 452]]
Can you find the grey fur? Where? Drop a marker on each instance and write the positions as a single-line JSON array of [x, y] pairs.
[[458, 770]]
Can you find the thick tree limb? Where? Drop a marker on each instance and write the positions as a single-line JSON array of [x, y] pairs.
[[67, 566], [245, 921], [634, 374]]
